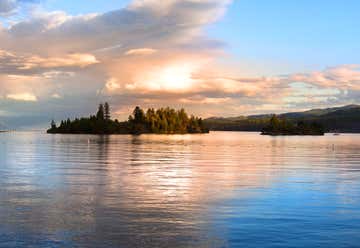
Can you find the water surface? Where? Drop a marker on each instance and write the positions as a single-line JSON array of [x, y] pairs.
[[223, 189]]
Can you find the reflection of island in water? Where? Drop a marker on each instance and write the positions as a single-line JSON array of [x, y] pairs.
[[279, 126], [160, 121]]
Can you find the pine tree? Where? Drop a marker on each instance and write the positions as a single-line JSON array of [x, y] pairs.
[[139, 115], [100, 114], [53, 125], [107, 111]]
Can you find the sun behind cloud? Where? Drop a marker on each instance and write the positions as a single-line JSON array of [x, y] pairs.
[[170, 78]]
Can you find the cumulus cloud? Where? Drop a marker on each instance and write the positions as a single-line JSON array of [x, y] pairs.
[[138, 25], [115, 42]]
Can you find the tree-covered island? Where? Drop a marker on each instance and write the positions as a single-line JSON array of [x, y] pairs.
[[279, 126], [160, 121]]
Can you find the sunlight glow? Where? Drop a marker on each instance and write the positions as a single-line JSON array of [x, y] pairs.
[[170, 78]]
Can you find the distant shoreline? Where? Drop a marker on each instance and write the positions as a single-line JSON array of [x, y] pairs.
[[259, 131], [281, 134], [345, 119]]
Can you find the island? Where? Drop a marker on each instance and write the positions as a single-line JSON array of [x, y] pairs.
[[154, 121], [279, 126]]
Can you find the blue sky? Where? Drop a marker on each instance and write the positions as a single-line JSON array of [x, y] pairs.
[[305, 34]]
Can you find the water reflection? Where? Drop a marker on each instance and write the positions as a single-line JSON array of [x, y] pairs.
[[216, 190]]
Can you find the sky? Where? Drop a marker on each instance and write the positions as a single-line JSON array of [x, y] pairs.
[[60, 58]]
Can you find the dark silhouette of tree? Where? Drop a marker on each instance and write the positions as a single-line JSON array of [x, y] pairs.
[[107, 111], [139, 115], [274, 122], [279, 126], [161, 121], [53, 124], [100, 115]]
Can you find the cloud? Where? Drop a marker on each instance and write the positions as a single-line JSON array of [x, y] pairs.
[[71, 60], [12, 63], [205, 100], [112, 84], [8, 7], [27, 97], [141, 51], [57, 74], [138, 25], [345, 77], [112, 43], [225, 94], [56, 96]]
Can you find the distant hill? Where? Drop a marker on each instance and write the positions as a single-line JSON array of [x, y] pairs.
[[341, 119]]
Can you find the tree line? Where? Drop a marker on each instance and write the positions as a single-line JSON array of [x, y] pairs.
[[277, 126], [158, 121]]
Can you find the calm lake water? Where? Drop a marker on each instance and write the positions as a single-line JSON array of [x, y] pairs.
[[222, 189]]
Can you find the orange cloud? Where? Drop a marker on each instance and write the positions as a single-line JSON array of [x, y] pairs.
[[141, 51], [346, 77], [71, 60]]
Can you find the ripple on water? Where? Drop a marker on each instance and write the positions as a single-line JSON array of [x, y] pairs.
[[215, 190]]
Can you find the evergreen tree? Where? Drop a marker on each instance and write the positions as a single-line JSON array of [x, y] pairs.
[[101, 113], [107, 111], [139, 115], [53, 125], [274, 122]]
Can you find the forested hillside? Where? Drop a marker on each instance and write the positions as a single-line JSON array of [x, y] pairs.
[[341, 119]]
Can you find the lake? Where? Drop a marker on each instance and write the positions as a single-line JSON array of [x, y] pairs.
[[223, 189]]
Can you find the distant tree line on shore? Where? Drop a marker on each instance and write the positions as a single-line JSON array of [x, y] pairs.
[[344, 119], [277, 126], [160, 121]]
